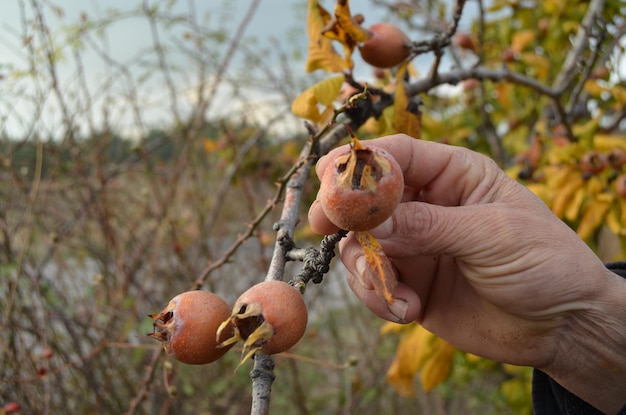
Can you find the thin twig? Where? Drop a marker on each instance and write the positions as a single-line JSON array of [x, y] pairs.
[[579, 45]]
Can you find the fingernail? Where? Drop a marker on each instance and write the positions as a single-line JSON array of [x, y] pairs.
[[399, 309], [360, 267]]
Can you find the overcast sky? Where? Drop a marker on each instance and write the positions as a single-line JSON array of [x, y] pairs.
[[284, 20]]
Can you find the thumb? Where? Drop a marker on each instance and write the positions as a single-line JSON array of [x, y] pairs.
[[418, 228]]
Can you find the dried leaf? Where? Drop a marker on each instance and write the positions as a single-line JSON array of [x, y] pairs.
[[438, 366], [522, 39], [613, 220], [406, 120], [618, 92], [379, 268], [593, 88], [538, 65], [593, 217], [517, 392], [321, 54], [395, 328], [606, 142], [566, 193], [355, 32], [210, 145], [414, 349], [573, 208]]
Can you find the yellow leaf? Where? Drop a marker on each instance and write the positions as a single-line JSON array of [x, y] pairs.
[[391, 327], [538, 65], [327, 90], [435, 129], [565, 194], [554, 7], [613, 220], [521, 39], [573, 208], [595, 185], [541, 191], [321, 54], [557, 176], [594, 88], [415, 347], [622, 207], [210, 145], [504, 94], [513, 369], [585, 132], [379, 269], [619, 93], [606, 142], [344, 18], [438, 366], [406, 120], [516, 391], [592, 218], [472, 358], [306, 105]]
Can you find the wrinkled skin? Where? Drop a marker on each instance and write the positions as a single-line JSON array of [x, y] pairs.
[[484, 264]]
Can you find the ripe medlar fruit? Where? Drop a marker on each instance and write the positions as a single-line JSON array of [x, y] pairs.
[[617, 158], [464, 41], [270, 317], [593, 162], [188, 324], [387, 47], [362, 188]]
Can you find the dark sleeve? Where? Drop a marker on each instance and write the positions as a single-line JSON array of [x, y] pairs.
[[550, 398]]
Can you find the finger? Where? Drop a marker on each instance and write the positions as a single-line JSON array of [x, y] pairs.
[[318, 220], [406, 306], [421, 229]]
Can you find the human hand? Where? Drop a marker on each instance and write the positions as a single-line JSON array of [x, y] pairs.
[[480, 260]]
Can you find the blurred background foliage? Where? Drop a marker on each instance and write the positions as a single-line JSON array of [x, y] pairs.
[[120, 187]]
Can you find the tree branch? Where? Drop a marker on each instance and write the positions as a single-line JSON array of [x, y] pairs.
[[580, 43]]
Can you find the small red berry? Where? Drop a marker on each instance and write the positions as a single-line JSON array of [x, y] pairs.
[[187, 327]]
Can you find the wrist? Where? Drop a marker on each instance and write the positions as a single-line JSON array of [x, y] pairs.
[[590, 360]]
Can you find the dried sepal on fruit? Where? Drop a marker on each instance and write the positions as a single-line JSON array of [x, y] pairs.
[[362, 188], [188, 324], [379, 269], [270, 317]]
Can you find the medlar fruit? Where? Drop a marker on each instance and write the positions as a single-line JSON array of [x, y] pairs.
[[362, 188]]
